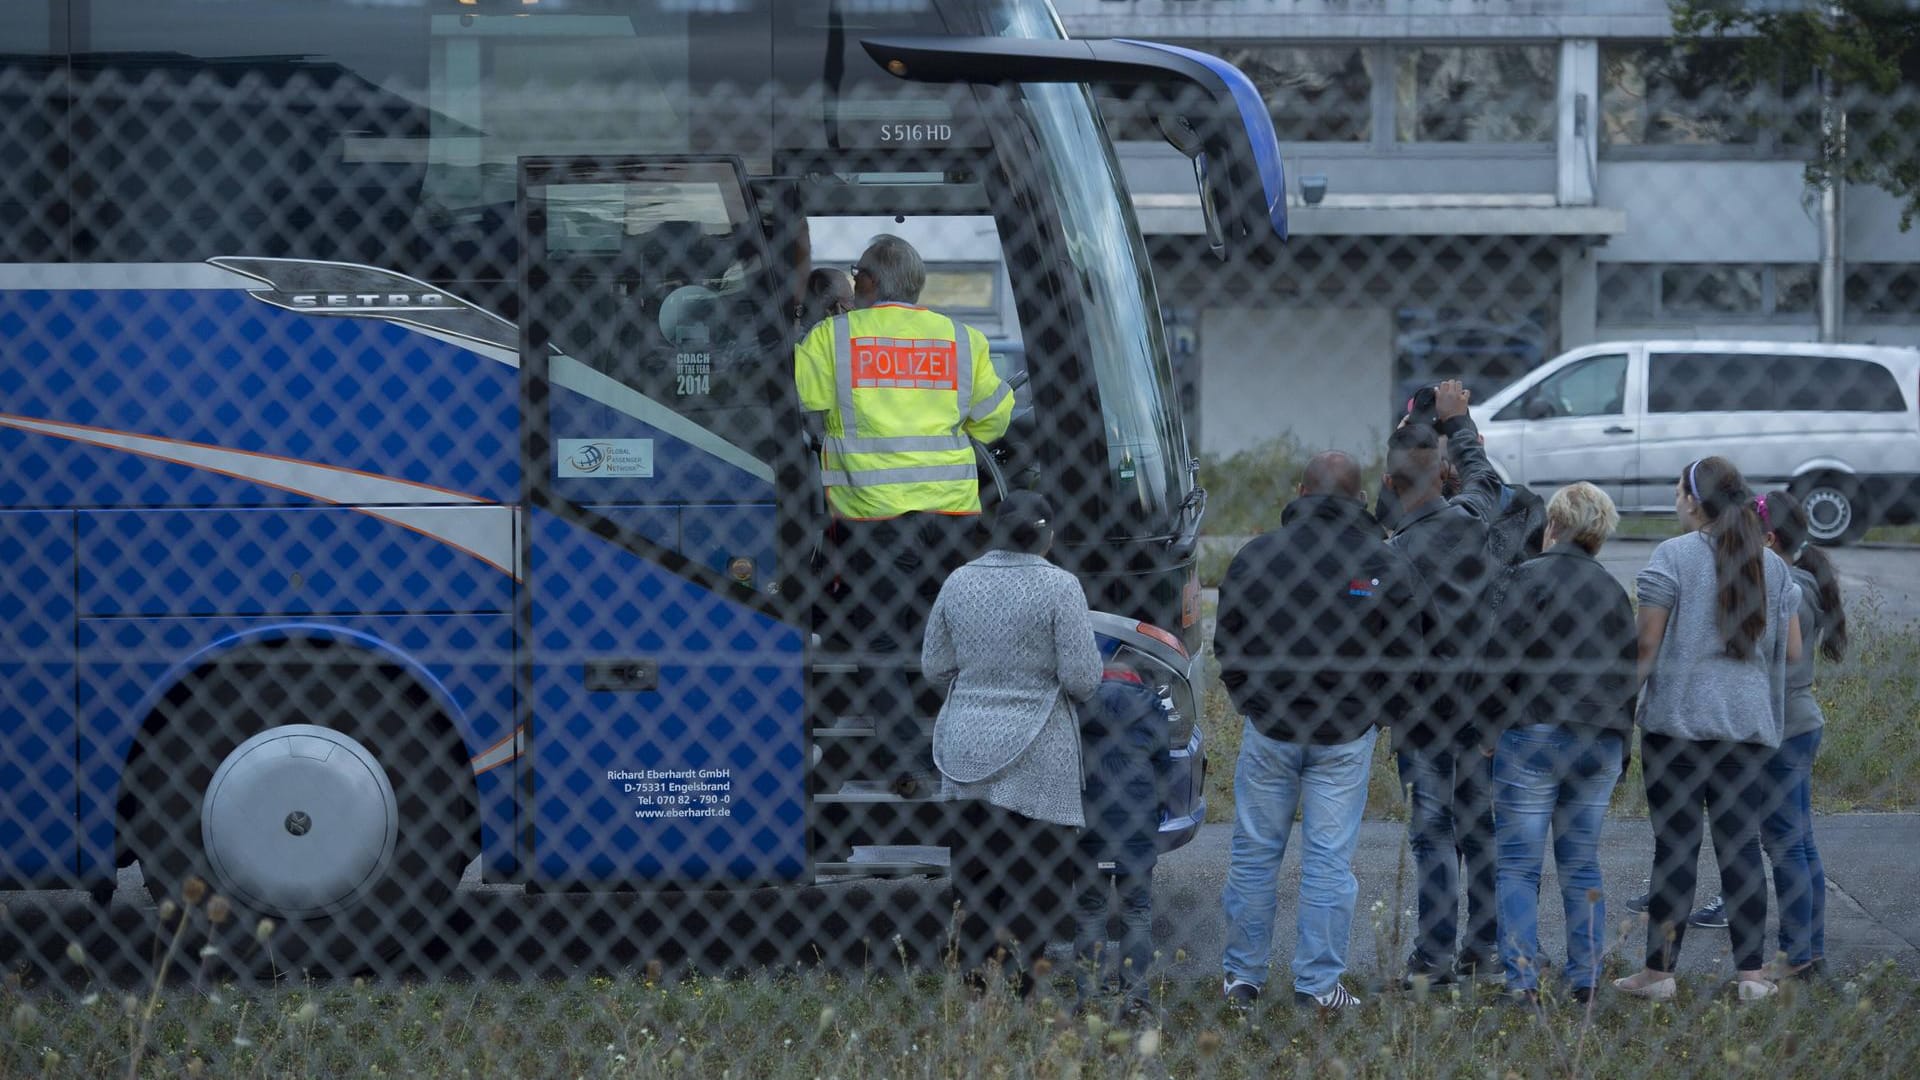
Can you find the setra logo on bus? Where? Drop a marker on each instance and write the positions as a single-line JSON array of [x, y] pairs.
[[390, 301]]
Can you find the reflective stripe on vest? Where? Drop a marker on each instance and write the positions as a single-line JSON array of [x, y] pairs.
[[910, 474], [851, 443], [985, 408]]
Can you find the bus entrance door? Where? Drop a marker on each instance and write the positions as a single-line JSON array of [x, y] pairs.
[[663, 666]]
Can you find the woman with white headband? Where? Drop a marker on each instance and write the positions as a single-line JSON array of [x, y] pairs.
[[1718, 623]]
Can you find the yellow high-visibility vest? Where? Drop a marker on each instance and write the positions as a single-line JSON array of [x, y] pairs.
[[903, 389]]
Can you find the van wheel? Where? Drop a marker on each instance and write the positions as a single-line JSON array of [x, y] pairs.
[[1836, 513], [306, 788]]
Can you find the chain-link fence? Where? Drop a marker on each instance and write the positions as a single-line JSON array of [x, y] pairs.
[[502, 571]]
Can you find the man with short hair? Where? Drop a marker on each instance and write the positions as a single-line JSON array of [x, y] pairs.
[[895, 394], [899, 392], [1321, 638], [1450, 543]]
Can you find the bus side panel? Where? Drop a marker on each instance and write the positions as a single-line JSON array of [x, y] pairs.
[[219, 368], [126, 664], [36, 697], [715, 536], [294, 561], [694, 775]]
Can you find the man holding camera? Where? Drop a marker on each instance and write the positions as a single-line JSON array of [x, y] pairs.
[[1449, 540]]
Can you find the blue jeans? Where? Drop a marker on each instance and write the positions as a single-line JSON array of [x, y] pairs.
[[1328, 784], [1787, 832], [1450, 818], [1550, 777], [1136, 938]]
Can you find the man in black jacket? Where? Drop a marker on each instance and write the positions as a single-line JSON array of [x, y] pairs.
[[1450, 543], [1321, 638]]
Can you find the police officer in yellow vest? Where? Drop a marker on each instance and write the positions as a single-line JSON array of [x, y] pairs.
[[901, 390]]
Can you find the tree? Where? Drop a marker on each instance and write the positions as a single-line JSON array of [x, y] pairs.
[[1868, 54]]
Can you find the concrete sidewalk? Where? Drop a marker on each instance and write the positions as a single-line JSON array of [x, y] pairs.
[[1873, 901]]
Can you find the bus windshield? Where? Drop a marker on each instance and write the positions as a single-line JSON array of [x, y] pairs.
[[1146, 435], [1121, 307]]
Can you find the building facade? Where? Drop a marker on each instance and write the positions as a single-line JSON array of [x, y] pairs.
[[1504, 180]]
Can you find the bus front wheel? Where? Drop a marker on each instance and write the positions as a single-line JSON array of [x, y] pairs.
[[317, 796]]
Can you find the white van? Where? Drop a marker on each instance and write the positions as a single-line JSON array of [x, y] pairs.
[[1839, 425]]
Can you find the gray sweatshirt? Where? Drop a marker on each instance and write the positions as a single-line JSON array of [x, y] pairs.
[[1696, 691], [1803, 712]]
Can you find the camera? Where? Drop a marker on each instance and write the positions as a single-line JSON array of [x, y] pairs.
[[1422, 407]]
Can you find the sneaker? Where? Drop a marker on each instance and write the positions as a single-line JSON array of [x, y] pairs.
[[1473, 964], [1657, 990], [1139, 1014], [1419, 968], [1755, 989], [1639, 904], [1712, 915], [1583, 995], [1240, 993], [1332, 1001], [1817, 971]]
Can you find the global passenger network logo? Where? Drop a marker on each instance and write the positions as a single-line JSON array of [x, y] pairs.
[[589, 458]]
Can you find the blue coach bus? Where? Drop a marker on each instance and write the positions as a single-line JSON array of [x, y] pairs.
[[402, 463]]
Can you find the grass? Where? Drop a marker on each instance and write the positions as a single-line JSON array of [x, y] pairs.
[[1869, 753], [1247, 490], [810, 1024]]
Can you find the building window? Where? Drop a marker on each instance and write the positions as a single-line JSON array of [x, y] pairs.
[[1627, 293], [1706, 292], [1882, 292], [1494, 94], [1319, 94], [1315, 94], [1686, 100], [1710, 289], [1475, 93], [1796, 289]]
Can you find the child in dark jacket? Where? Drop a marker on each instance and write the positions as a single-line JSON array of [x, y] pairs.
[[1123, 734]]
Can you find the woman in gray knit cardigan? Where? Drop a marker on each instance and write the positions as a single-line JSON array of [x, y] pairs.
[[1010, 646]]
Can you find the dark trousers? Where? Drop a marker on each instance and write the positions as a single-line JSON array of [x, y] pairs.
[[1092, 959], [888, 574], [1014, 880], [1450, 821], [1728, 779]]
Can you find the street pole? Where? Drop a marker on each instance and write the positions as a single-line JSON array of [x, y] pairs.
[[1833, 139], [1832, 255]]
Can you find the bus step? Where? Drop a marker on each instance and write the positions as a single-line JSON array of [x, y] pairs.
[[868, 812], [864, 792], [884, 862], [846, 731], [829, 662]]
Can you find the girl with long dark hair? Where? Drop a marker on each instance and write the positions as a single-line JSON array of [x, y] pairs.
[[1718, 626], [1799, 882]]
